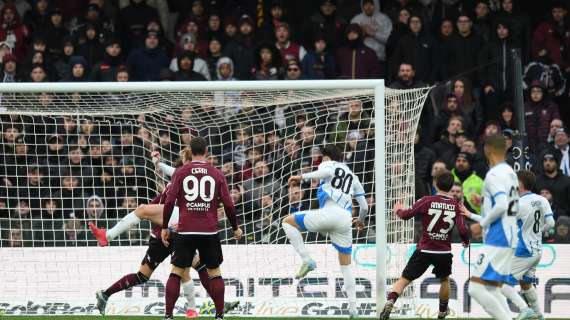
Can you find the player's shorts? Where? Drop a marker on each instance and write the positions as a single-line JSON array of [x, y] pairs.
[[156, 253], [494, 264], [420, 261], [524, 268], [185, 246], [332, 220]]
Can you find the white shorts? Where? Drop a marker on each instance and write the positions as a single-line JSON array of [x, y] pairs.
[[524, 268], [494, 264], [332, 220]]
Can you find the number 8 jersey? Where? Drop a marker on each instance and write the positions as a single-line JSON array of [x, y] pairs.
[[338, 184], [534, 211], [501, 181]]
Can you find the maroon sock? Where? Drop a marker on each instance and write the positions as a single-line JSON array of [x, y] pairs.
[[217, 290], [443, 305], [126, 282], [393, 296], [172, 293], [205, 280]]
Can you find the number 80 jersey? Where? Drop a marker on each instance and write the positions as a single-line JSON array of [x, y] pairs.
[[340, 185], [501, 181]]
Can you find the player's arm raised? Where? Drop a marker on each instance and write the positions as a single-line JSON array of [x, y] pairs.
[[166, 169], [169, 203], [229, 207], [409, 213], [323, 172]]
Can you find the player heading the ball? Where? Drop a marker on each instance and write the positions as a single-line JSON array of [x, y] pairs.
[[197, 188], [338, 185]]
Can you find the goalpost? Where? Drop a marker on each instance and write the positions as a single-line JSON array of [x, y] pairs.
[[78, 152]]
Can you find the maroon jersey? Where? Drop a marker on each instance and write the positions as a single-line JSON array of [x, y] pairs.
[[197, 189], [439, 215], [156, 228]]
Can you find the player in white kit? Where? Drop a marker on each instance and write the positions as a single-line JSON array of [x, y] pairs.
[[534, 217], [338, 185], [500, 207]]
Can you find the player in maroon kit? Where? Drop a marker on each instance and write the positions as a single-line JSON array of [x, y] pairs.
[[197, 188], [440, 213]]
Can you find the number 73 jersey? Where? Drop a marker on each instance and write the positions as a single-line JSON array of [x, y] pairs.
[[501, 181]]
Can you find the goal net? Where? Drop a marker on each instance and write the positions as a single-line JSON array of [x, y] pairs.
[[78, 153]]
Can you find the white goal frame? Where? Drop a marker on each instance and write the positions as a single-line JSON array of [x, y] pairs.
[[378, 85]]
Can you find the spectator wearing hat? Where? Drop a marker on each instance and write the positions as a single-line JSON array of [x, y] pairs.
[[551, 39], [39, 17], [185, 68], [89, 44], [319, 63], [78, 72], [230, 28], [61, 65], [293, 70], [519, 22], [12, 30], [376, 28], [242, 49], [197, 14], [188, 43], [355, 60], [106, 70], [200, 44], [289, 49], [553, 179], [472, 184], [5, 48], [134, 19], [327, 22], [268, 63], [561, 143], [145, 63], [562, 230], [539, 112], [225, 69], [420, 49], [9, 71], [54, 33]]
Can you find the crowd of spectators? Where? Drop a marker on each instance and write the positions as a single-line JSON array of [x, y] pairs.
[[462, 46]]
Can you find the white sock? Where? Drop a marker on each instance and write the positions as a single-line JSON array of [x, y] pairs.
[[296, 239], [350, 287], [489, 298], [532, 299], [511, 293], [188, 290], [123, 225]]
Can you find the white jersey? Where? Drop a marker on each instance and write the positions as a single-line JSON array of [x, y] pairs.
[[501, 181], [338, 184], [531, 219]]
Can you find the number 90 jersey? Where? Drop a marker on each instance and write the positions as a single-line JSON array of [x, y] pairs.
[[501, 181], [340, 185]]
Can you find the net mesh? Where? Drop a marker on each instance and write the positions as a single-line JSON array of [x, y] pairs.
[[71, 158]]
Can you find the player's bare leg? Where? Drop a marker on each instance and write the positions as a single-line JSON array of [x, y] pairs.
[[217, 290], [293, 233], [444, 290], [397, 290], [173, 290], [349, 282], [151, 212], [529, 292], [130, 280]]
